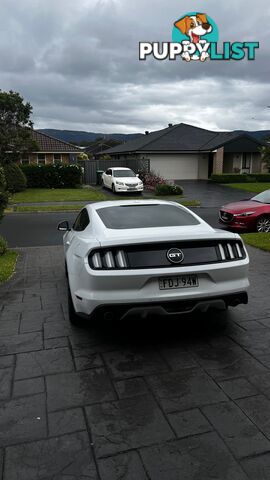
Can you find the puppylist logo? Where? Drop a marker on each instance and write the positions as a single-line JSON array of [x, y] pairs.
[[195, 37]]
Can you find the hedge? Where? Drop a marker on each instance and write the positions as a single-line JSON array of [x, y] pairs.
[[52, 176], [15, 178], [241, 178]]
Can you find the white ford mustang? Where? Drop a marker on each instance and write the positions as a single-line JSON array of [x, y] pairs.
[[150, 256], [121, 179]]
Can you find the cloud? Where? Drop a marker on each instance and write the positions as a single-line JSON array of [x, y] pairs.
[[77, 63]]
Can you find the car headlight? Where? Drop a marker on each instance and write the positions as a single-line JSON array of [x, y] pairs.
[[119, 183], [140, 182], [244, 214]]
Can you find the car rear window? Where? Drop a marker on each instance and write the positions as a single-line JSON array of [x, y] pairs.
[[145, 216]]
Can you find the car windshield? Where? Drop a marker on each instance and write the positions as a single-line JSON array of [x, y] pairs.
[[263, 197], [123, 173], [145, 216]]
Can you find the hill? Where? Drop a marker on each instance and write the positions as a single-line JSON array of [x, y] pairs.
[[78, 137]]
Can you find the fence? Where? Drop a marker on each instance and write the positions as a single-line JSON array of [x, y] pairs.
[[91, 166]]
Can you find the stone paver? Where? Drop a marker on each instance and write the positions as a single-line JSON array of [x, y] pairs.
[[132, 401], [201, 457]]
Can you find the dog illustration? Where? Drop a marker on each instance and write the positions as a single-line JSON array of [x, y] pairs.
[[194, 27]]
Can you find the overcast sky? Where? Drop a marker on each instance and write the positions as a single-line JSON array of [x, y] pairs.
[[76, 61]]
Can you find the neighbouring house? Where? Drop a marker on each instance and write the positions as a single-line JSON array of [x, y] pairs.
[[185, 152], [100, 146], [50, 151]]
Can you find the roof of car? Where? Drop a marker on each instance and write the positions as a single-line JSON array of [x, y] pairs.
[[119, 168]]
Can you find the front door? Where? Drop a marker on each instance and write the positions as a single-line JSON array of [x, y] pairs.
[[246, 163], [210, 164]]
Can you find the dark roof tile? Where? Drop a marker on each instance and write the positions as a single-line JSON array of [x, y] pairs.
[[178, 138]]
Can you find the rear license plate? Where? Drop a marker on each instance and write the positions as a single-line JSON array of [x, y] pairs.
[[181, 281]]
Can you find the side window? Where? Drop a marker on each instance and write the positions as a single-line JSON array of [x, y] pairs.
[[108, 172], [81, 221]]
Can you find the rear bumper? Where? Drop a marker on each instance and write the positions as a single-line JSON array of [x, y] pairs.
[[141, 287], [168, 308]]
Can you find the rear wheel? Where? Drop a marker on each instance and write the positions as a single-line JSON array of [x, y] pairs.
[[73, 317], [263, 224]]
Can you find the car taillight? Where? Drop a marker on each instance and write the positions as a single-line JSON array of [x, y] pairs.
[[107, 260], [231, 250]]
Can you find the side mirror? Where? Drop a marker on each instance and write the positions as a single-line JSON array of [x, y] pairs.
[[63, 226], [137, 175]]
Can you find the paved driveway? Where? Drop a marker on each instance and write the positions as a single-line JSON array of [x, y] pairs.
[[212, 194], [158, 401]]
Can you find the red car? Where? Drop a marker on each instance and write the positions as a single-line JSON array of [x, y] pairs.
[[251, 215]]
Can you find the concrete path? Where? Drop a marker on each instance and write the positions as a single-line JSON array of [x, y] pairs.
[[152, 400]]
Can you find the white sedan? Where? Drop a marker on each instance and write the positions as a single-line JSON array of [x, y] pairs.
[[120, 179], [150, 256]]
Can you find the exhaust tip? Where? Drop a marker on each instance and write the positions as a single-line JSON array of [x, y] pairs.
[[108, 316]]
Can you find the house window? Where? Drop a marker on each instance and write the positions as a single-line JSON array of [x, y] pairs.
[[246, 161], [57, 158], [41, 159], [25, 159]]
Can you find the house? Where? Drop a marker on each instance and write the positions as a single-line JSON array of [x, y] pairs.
[[100, 146], [50, 151], [185, 152]]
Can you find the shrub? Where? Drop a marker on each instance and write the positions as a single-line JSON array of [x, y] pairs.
[[151, 180], [52, 176], [167, 189], [240, 178], [3, 246], [15, 178]]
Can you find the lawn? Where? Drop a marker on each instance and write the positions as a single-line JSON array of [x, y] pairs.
[[36, 195], [258, 240], [7, 265], [249, 187]]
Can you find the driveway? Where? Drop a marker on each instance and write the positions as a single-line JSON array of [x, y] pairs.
[[132, 401], [212, 194]]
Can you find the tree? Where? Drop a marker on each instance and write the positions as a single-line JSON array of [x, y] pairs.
[[15, 127], [3, 193], [83, 156], [265, 152]]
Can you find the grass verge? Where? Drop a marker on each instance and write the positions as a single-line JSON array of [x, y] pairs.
[[7, 265], [258, 240], [46, 208], [249, 187], [36, 195]]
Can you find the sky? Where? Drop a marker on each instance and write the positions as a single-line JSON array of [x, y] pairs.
[[77, 63]]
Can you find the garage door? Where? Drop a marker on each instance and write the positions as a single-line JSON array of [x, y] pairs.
[[177, 167]]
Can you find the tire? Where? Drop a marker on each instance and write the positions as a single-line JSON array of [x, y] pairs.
[[113, 188], [73, 317], [263, 224]]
